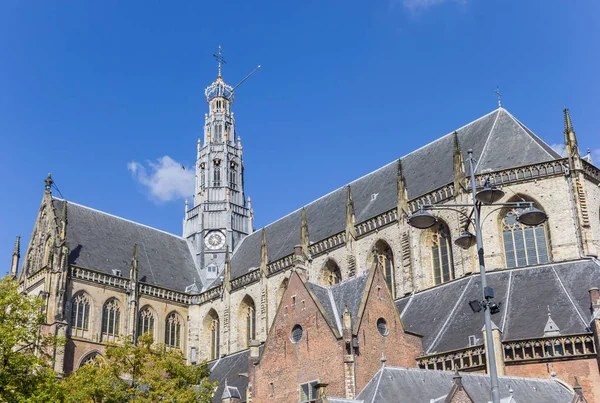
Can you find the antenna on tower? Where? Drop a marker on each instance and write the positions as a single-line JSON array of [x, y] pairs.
[[244, 79]]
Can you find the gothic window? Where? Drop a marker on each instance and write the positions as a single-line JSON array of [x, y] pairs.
[[523, 245], [202, 175], [232, 175], [246, 321], [111, 318], [173, 331], [146, 322], [441, 253], [217, 173], [80, 312], [331, 273], [384, 258], [212, 322], [89, 358]]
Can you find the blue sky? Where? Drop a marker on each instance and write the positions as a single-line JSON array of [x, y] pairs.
[[87, 88]]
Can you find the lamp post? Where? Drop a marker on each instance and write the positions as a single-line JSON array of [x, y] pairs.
[[488, 196]]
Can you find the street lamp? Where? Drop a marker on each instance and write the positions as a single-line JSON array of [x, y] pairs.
[[488, 196]]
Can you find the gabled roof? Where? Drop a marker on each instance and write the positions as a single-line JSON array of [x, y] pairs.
[[411, 385], [442, 314], [336, 298], [498, 140], [231, 372], [103, 242]]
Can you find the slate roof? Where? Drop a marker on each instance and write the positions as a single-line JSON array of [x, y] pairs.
[[334, 299], [442, 314], [498, 140], [411, 385], [103, 242], [227, 371]]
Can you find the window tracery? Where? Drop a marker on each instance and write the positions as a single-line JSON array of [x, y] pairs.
[[111, 318], [173, 331], [146, 322], [523, 245], [331, 273], [80, 312], [383, 256], [441, 254]]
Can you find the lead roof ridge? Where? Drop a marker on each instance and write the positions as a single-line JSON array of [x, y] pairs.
[[450, 314], [335, 310], [117, 217], [508, 299], [568, 296], [530, 133], [484, 149]]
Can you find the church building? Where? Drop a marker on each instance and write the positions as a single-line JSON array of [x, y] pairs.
[[342, 298]]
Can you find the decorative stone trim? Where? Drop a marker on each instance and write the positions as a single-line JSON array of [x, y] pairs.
[[327, 244], [246, 279], [471, 358], [124, 284], [549, 348], [591, 172]]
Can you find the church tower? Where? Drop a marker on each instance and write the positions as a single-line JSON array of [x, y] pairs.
[[219, 218]]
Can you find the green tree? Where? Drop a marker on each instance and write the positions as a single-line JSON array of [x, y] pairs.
[[26, 365], [143, 372]]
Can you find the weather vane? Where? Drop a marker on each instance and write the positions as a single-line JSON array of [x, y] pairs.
[[497, 93], [219, 58]]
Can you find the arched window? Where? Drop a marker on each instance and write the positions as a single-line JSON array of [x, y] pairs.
[[232, 175], [89, 358], [80, 312], [217, 173], [523, 245], [383, 257], [202, 175], [146, 321], [111, 318], [441, 253], [247, 321], [331, 273], [173, 331], [214, 329], [218, 132]]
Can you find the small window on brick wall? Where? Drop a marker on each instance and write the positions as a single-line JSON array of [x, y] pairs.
[[382, 327], [308, 392]]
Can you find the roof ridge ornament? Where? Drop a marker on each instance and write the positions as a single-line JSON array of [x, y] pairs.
[[499, 97], [220, 60]]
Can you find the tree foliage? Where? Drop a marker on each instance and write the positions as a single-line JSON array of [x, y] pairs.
[[142, 372], [26, 365]]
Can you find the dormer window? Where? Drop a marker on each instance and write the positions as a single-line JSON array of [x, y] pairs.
[[211, 271]]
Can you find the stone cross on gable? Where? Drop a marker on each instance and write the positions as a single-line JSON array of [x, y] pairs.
[[499, 96]]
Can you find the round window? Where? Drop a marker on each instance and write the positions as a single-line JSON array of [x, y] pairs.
[[382, 327], [296, 333]]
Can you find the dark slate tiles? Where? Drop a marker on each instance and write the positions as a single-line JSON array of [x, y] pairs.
[[532, 291], [464, 322], [410, 385], [322, 295], [578, 279], [103, 242], [429, 310], [443, 316], [231, 370], [349, 294]]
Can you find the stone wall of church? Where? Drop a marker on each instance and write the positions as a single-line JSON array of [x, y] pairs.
[[593, 201]]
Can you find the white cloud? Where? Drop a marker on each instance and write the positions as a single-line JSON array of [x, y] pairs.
[[415, 5], [559, 148], [166, 179]]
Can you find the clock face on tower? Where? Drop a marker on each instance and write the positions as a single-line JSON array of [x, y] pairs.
[[214, 240]]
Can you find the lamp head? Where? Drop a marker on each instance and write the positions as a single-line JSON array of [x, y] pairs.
[[465, 241], [490, 194], [422, 219], [532, 216]]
